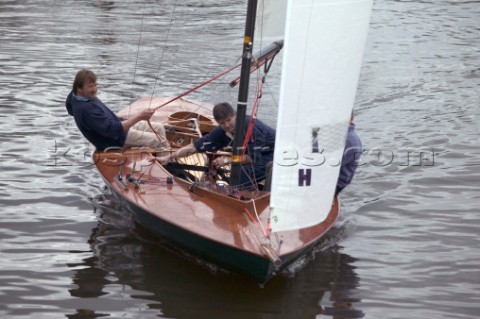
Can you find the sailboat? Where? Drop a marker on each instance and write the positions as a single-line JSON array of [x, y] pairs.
[[259, 232]]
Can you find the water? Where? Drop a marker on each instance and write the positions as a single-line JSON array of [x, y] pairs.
[[406, 247]]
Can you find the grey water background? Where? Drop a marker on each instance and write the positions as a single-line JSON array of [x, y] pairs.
[[407, 245]]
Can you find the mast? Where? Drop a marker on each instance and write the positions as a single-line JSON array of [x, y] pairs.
[[243, 92]]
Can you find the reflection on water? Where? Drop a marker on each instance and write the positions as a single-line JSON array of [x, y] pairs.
[[140, 263]]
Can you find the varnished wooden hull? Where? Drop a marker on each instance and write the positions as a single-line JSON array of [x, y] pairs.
[[203, 220], [209, 225], [227, 257]]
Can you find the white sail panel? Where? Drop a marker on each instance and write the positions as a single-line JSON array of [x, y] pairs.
[[323, 48], [270, 22]]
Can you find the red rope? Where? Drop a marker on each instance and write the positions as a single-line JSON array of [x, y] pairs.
[[253, 68], [251, 124], [160, 138], [269, 229], [256, 222], [198, 86], [254, 108], [187, 92]]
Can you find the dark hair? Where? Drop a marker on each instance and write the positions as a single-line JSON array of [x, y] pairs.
[[83, 76], [222, 111]]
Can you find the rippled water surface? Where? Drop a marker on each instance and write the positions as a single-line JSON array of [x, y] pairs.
[[407, 245]]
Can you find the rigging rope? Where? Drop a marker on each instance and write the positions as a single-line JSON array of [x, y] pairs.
[[198, 86], [138, 48], [189, 91], [253, 115], [248, 135], [266, 63], [256, 103], [163, 51], [256, 222]]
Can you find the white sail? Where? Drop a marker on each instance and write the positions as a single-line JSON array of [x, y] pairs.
[[270, 22], [323, 48]]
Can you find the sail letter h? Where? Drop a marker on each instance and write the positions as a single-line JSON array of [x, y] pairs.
[[304, 177]]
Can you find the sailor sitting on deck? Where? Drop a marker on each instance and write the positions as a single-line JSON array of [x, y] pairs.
[[259, 150], [101, 126]]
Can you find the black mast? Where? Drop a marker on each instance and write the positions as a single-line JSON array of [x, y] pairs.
[[243, 92]]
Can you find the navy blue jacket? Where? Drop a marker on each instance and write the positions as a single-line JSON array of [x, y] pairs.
[[260, 147], [350, 160], [98, 123]]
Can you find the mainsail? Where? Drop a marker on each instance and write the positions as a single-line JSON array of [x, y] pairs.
[[323, 48], [270, 22]]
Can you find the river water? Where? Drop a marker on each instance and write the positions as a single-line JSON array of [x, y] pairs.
[[406, 246]]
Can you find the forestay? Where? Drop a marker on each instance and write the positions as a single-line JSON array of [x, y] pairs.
[[323, 48]]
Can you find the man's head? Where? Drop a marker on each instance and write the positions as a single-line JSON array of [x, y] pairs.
[[224, 114], [85, 84]]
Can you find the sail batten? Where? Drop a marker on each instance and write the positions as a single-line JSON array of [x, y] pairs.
[[323, 48]]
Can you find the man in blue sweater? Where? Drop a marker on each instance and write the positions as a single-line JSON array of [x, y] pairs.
[[350, 159], [100, 125], [259, 149]]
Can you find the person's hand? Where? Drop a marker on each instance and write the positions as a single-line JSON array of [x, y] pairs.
[[164, 159], [146, 114], [221, 161]]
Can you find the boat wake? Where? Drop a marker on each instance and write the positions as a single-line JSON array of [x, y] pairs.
[[328, 243]]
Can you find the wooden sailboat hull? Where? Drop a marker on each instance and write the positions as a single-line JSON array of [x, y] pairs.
[[202, 222], [229, 258], [201, 219]]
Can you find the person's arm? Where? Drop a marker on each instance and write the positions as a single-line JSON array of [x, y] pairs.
[[350, 160], [145, 114], [182, 152]]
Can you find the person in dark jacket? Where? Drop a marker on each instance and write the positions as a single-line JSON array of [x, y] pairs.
[[350, 159], [259, 149], [99, 125]]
